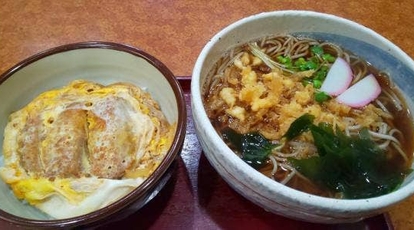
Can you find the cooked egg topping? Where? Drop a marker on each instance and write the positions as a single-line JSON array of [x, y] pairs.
[[69, 143]]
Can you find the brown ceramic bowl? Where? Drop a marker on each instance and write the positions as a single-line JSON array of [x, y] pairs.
[[105, 63]]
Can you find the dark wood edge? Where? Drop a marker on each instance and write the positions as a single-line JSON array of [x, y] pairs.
[[185, 82]]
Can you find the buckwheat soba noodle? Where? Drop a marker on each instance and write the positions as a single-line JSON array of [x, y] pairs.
[[312, 116]]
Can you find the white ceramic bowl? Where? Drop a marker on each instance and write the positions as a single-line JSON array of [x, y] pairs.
[[256, 187], [105, 63]]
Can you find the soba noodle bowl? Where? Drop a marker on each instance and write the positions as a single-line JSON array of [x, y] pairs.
[[261, 88]]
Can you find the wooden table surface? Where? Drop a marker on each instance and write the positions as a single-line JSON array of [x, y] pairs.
[[175, 31]]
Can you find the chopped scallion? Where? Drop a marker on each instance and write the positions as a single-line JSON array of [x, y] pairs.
[[321, 97]]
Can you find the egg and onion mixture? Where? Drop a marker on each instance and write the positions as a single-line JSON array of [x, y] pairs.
[[79, 148]]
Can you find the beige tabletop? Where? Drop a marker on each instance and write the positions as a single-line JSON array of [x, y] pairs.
[[175, 31]]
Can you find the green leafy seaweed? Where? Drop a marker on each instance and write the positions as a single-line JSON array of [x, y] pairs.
[[353, 166], [299, 126], [253, 147]]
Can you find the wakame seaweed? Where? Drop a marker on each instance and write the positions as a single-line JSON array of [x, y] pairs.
[[353, 166], [299, 126], [253, 147]]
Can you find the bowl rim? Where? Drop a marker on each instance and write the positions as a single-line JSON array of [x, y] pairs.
[[301, 199], [148, 184]]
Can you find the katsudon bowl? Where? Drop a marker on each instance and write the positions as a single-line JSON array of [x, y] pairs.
[[103, 63], [262, 187]]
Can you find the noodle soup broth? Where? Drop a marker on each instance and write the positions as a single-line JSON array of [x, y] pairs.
[[257, 90]]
